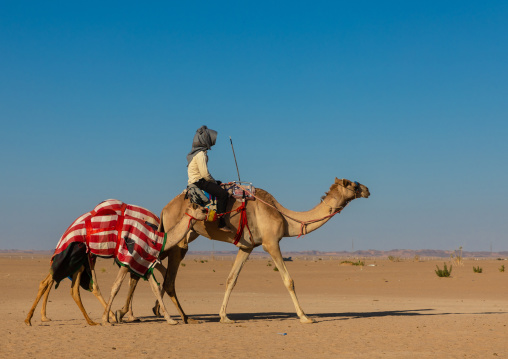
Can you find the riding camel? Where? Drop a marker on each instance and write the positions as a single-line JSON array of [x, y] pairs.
[[190, 216], [268, 222]]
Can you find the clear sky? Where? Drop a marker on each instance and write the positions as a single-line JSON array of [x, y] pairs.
[[101, 100]]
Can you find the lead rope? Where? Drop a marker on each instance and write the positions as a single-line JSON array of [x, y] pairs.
[[303, 224]]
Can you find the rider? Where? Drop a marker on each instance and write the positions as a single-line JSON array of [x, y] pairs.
[[197, 169]]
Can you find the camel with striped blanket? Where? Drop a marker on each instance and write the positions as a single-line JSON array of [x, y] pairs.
[[268, 222], [135, 224]]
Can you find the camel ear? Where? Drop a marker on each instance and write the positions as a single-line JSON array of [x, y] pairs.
[[340, 181]]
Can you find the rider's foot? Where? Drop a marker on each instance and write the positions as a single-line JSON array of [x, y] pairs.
[[225, 229]]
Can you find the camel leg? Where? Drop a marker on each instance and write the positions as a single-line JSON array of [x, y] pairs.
[[130, 313], [43, 287], [276, 255], [44, 318], [156, 291], [175, 257], [95, 287], [160, 267], [132, 286], [114, 291], [97, 293], [241, 258], [76, 296]]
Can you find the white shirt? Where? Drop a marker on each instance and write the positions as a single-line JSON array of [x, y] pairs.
[[198, 168]]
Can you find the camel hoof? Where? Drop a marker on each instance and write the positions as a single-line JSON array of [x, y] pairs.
[[172, 322], [156, 311], [307, 320], [107, 324], [45, 319], [226, 320], [92, 323], [28, 322]]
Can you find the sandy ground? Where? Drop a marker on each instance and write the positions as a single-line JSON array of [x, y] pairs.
[[381, 310]]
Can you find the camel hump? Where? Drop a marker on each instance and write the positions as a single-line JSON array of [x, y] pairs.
[[105, 212]]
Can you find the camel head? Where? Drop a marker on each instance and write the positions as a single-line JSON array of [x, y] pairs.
[[197, 212], [352, 190], [343, 190]]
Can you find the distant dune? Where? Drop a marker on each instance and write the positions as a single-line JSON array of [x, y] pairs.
[[371, 253]]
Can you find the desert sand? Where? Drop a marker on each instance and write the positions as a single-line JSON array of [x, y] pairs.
[[384, 309]]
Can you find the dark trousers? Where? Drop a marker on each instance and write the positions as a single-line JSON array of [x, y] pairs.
[[220, 193]]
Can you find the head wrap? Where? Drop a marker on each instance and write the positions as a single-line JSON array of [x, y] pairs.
[[203, 140]]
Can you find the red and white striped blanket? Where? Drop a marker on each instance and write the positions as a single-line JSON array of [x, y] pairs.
[[116, 229]]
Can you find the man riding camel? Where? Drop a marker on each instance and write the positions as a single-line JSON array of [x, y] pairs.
[[197, 169]]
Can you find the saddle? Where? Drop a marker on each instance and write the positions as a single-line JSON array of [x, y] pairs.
[[239, 190]]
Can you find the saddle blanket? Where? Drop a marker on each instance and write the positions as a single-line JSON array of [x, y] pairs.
[[237, 190], [116, 229]]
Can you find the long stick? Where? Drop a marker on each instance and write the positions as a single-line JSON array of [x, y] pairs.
[[236, 163]]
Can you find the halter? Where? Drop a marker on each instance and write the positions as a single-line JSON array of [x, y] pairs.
[[191, 218], [355, 191]]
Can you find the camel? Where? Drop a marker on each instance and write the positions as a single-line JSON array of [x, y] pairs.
[[268, 223], [47, 284], [174, 235]]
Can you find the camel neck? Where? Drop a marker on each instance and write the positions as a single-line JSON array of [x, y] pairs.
[[311, 219], [178, 232]]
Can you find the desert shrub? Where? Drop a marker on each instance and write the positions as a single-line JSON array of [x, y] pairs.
[[276, 269], [183, 264], [477, 269], [358, 263], [501, 269], [458, 256], [445, 272], [393, 259]]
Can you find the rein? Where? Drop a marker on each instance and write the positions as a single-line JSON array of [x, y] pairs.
[[303, 224]]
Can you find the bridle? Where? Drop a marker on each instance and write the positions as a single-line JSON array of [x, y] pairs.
[[356, 190], [304, 224]]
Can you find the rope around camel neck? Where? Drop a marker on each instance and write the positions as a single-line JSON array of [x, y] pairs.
[[303, 224]]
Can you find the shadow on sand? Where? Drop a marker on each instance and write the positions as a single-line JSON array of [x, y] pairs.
[[324, 317], [281, 316]]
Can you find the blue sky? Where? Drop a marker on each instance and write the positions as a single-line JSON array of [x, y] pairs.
[[101, 100]]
